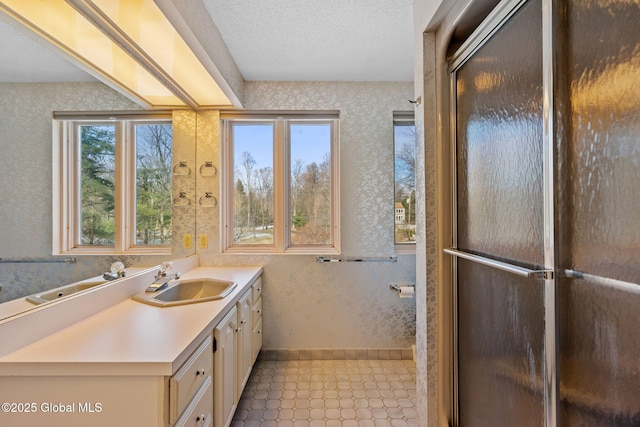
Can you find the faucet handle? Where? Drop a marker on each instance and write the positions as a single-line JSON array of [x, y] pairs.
[[164, 267], [117, 268]]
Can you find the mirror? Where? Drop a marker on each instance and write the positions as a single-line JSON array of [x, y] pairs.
[[35, 84]]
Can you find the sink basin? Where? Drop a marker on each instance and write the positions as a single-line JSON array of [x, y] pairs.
[[62, 291], [189, 291]]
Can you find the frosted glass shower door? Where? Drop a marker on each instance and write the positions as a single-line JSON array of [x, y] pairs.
[[547, 216], [599, 300], [499, 249]]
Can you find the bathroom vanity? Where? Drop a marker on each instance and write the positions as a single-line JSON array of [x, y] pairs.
[[136, 364]]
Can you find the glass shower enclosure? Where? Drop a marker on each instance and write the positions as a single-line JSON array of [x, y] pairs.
[[546, 146]]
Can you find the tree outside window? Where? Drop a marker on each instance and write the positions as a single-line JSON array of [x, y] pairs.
[[404, 133], [115, 192], [283, 184]]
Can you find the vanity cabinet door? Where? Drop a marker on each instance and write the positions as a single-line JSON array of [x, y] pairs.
[[245, 360], [257, 340], [256, 333], [225, 369]]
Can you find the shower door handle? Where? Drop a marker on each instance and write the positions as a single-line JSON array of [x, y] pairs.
[[500, 265]]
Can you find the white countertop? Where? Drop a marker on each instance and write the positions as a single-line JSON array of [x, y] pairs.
[[16, 306], [130, 337]]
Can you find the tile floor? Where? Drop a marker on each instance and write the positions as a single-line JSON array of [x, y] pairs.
[[329, 393]]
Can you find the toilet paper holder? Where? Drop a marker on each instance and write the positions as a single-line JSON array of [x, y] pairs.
[[396, 287], [406, 290]]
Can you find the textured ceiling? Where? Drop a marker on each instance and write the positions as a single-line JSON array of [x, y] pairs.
[[304, 40], [329, 40]]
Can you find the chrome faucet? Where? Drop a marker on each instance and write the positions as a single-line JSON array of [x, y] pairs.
[[162, 279]]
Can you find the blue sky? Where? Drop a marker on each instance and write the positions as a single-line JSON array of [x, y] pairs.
[[402, 135], [309, 142]]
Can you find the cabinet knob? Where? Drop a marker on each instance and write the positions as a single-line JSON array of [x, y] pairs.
[[200, 418], [200, 372], [259, 311], [258, 289]]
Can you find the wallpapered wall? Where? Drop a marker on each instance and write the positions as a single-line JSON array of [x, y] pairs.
[[307, 305], [26, 184], [310, 305]]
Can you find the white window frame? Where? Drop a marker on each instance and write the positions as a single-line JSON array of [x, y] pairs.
[[399, 117], [66, 185], [282, 168]]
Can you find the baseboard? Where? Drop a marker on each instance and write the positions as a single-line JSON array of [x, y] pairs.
[[338, 354]]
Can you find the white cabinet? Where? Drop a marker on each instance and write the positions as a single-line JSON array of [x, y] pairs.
[[256, 339], [245, 360], [256, 309], [199, 413], [190, 382], [184, 399], [166, 381], [225, 369], [237, 341]]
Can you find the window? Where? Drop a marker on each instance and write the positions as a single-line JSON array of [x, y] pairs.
[[404, 137], [281, 183], [112, 186]]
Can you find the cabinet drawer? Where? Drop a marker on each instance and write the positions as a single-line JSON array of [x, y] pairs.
[[184, 384], [256, 289], [257, 311], [200, 412]]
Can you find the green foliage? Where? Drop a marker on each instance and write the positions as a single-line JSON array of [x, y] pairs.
[[153, 184], [297, 221], [97, 185]]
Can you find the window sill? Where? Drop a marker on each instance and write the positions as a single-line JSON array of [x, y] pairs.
[[409, 248], [272, 251]]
